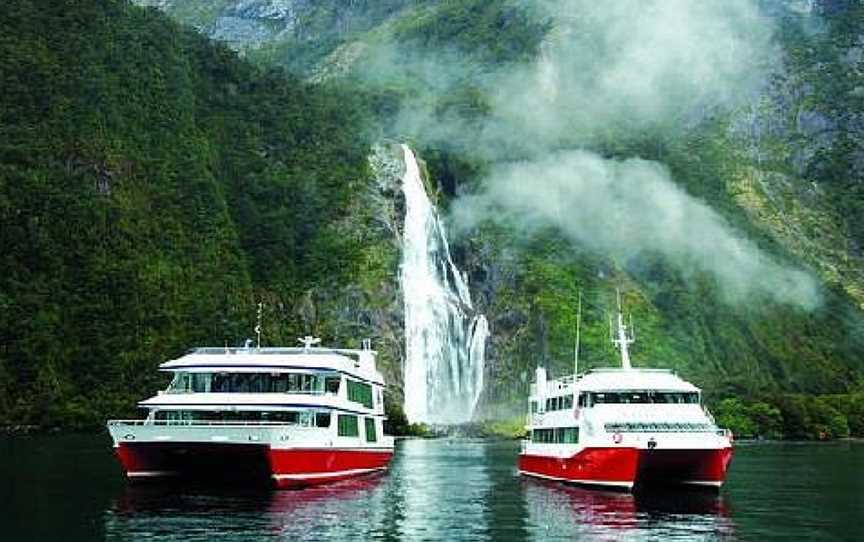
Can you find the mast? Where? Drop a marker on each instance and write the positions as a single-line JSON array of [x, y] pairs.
[[258, 323], [576, 347], [623, 340]]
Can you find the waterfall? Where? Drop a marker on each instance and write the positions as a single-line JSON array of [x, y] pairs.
[[445, 337]]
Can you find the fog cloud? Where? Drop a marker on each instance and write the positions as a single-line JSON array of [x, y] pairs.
[[624, 208], [606, 70]]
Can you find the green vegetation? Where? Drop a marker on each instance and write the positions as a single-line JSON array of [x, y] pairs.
[[794, 416], [153, 188], [397, 423]]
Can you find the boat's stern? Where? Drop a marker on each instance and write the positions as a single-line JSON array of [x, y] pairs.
[[700, 459], [204, 452]]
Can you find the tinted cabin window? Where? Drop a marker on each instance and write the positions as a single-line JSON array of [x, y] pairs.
[[221, 383], [348, 426], [322, 419], [371, 436], [331, 384], [360, 392], [641, 397]]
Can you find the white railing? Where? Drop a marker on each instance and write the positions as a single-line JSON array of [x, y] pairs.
[[177, 391], [202, 423]]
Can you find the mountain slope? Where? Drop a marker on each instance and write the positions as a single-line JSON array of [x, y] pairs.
[[153, 189]]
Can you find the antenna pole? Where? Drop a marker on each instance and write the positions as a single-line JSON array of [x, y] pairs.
[[258, 324], [578, 326], [576, 347]]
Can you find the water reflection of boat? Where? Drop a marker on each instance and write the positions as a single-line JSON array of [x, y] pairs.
[[287, 417], [573, 512], [621, 428], [244, 514]]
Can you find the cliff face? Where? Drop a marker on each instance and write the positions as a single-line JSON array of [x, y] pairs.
[[293, 33], [155, 187], [801, 146]]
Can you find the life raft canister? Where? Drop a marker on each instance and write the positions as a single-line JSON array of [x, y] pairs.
[[617, 438]]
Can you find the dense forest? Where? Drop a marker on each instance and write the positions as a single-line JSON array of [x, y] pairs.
[[154, 188], [156, 185]]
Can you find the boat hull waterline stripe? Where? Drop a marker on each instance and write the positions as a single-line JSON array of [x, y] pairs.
[[314, 475], [611, 483]]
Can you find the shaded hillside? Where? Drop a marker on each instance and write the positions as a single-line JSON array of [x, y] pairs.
[[153, 188]]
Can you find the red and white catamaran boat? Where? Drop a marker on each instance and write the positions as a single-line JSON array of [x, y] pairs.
[[291, 417], [623, 428]]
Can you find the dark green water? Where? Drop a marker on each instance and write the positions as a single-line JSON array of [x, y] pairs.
[[69, 488]]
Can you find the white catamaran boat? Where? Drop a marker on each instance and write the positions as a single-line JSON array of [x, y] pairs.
[[622, 428], [291, 417]]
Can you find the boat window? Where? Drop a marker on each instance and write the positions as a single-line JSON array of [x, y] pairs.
[[370, 430], [557, 435], [533, 407], [181, 383], [555, 403], [332, 383], [360, 392], [200, 382], [221, 383], [281, 416], [285, 416], [185, 382], [348, 426], [322, 419], [567, 435], [641, 397], [583, 400], [240, 383], [543, 435], [279, 383]]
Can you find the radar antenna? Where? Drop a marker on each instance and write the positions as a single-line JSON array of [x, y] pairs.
[[309, 341]]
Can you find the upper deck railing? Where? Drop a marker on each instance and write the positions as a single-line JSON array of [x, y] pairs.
[[274, 351], [203, 423], [317, 393]]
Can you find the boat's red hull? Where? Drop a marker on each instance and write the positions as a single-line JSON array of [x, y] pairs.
[[628, 467], [249, 463]]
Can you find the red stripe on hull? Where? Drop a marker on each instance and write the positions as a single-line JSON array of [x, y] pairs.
[[305, 467], [248, 463], [626, 467], [615, 466]]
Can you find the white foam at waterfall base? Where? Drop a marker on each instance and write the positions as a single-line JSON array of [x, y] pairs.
[[445, 337]]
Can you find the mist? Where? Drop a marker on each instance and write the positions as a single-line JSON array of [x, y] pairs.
[[609, 71], [625, 208]]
